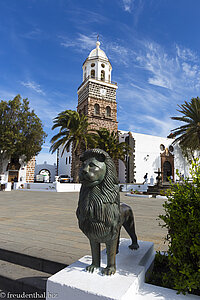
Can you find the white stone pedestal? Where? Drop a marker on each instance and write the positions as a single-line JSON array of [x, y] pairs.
[[75, 283]]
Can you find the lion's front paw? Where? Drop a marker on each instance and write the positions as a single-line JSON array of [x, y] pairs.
[[134, 246], [109, 270], [91, 268]]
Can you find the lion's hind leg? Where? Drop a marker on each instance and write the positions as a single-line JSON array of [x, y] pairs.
[[129, 225], [95, 248]]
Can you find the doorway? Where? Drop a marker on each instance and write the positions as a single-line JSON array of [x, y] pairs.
[[167, 171]]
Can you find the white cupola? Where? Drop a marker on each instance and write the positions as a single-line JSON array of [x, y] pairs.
[[97, 65]]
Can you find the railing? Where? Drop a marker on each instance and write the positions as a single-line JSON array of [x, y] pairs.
[[98, 79]]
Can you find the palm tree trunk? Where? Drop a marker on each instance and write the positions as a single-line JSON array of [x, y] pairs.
[[75, 164]]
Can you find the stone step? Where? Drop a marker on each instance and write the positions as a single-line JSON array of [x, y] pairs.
[[32, 262], [18, 279]]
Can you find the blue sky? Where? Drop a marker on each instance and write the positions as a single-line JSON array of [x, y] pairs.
[[153, 46]]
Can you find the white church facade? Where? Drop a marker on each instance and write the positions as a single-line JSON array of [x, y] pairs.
[[97, 100]]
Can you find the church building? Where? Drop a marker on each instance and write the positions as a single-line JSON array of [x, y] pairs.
[[97, 100]]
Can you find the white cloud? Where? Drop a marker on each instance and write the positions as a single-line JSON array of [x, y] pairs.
[[87, 42], [34, 86], [81, 42], [67, 43], [186, 54], [159, 82], [128, 5], [163, 125], [170, 71], [118, 53], [189, 70], [33, 34]]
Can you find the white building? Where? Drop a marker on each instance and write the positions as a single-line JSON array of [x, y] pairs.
[[149, 154], [18, 171]]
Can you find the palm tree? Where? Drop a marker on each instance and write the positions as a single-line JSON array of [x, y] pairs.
[[73, 131], [109, 142], [188, 135]]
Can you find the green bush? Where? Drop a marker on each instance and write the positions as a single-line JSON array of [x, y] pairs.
[[182, 220]]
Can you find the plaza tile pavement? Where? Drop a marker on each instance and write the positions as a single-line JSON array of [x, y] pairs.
[[44, 224]]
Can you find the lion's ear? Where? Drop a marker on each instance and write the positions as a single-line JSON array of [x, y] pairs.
[[101, 157]]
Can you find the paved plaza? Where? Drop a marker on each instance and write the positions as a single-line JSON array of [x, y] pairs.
[[44, 224]]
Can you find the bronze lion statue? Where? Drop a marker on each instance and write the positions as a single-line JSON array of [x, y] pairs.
[[100, 214]]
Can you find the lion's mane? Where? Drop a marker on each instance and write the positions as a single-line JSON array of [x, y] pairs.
[[99, 206]]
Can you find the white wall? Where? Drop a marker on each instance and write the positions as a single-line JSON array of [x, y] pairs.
[[67, 187], [51, 168], [63, 168]]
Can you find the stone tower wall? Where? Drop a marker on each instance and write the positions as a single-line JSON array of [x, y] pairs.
[[30, 170], [89, 95]]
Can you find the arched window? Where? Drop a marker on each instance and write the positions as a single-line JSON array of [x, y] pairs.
[[96, 109], [93, 73], [103, 75], [108, 111]]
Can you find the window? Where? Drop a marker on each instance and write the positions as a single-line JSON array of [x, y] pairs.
[[103, 66], [66, 160], [108, 111], [93, 73], [92, 65], [96, 109], [69, 159], [103, 75]]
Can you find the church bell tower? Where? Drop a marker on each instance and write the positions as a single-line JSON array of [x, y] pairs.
[[97, 93]]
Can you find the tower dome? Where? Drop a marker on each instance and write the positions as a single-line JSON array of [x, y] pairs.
[[97, 52], [97, 65]]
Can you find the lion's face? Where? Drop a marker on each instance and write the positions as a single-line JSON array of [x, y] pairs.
[[92, 172]]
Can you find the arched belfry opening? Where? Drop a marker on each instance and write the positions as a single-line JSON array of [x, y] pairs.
[[103, 75], [92, 73]]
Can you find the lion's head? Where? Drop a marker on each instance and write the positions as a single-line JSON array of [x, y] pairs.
[[93, 170], [97, 169]]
